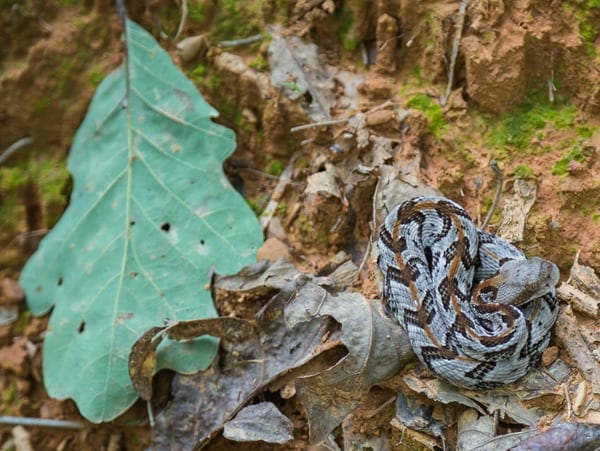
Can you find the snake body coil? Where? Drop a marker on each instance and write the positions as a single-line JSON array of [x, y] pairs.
[[478, 312]]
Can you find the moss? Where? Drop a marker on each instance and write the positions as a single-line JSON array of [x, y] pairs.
[[562, 166], [585, 131], [346, 32], [50, 175], [432, 110], [517, 128], [197, 73], [275, 168], [95, 77], [235, 19], [523, 171], [418, 74], [196, 12], [259, 63]]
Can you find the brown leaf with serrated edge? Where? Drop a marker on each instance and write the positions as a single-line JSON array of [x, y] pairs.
[[142, 361]]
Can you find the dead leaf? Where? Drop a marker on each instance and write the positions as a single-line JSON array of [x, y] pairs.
[[515, 211], [563, 437], [376, 351], [262, 421], [202, 403], [296, 68]]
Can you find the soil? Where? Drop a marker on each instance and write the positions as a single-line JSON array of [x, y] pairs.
[[526, 93]]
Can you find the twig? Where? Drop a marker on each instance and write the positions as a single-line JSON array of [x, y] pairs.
[[14, 147], [568, 400], [238, 42], [499, 179], [284, 181], [184, 14], [459, 27], [41, 422], [379, 107], [265, 175], [297, 128], [551, 87]]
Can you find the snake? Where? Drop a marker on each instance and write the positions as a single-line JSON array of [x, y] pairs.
[[477, 311]]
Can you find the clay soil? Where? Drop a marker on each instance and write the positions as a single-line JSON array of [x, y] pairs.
[[525, 93]]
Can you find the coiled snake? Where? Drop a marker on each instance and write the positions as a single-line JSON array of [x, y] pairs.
[[478, 313]]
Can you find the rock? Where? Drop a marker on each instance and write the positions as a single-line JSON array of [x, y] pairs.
[[190, 47]]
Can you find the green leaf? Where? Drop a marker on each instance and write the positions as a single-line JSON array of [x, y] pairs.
[[151, 215]]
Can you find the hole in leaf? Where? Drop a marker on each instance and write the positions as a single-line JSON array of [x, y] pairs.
[[60, 281], [202, 242], [81, 327], [165, 227], [132, 222]]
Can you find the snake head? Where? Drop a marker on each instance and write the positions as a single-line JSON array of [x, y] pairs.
[[520, 281]]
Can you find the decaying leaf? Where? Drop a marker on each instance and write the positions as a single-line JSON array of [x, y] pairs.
[[516, 209], [297, 69], [296, 335], [563, 437], [376, 351], [196, 413], [262, 421]]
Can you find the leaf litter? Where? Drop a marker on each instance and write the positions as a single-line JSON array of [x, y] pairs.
[[386, 171], [346, 355]]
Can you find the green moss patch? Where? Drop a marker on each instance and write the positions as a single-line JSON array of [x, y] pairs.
[[432, 110]]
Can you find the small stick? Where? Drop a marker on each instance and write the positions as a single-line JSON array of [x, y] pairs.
[[459, 27], [284, 180], [238, 42], [41, 422], [297, 128], [184, 14], [499, 178], [14, 147]]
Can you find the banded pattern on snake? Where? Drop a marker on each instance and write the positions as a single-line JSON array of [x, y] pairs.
[[478, 313]]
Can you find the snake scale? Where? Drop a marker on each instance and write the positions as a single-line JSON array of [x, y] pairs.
[[478, 313]]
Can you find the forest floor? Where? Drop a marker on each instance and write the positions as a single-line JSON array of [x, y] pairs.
[[525, 94]]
